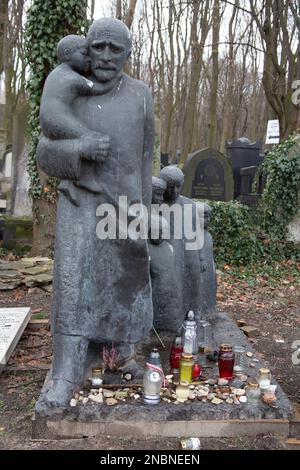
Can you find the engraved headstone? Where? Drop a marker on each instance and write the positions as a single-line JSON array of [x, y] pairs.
[[208, 175], [242, 153], [13, 322]]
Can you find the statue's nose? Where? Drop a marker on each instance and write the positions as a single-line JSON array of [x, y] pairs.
[[106, 53]]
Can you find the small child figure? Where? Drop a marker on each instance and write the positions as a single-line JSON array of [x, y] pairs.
[[167, 309], [209, 282], [63, 85]]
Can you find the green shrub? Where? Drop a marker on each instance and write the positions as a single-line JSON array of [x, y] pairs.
[[235, 236], [280, 199]]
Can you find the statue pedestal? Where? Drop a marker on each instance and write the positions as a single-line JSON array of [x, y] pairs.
[[193, 418]]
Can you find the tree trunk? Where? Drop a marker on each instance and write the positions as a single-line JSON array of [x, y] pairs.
[[215, 75], [44, 217], [189, 125]]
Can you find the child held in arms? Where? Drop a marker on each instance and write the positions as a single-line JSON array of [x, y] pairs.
[[63, 85]]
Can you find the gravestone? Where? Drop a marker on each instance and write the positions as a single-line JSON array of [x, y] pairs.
[[164, 160], [13, 322], [208, 175], [22, 203], [242, 153]]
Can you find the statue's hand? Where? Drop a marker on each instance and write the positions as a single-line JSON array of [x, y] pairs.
[[95, 147]]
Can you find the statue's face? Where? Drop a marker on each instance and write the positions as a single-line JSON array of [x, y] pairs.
[[157, 196], [80, 60], [108, 55], [173, 191]]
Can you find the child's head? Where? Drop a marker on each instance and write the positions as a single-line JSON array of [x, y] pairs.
[[73, 50], [174, 178], [159, 229], [159, 186]]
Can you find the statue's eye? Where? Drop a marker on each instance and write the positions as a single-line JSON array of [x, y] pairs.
[[116, 49], [100, 46]]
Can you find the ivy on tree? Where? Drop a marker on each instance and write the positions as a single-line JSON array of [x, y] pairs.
[[47, 22]]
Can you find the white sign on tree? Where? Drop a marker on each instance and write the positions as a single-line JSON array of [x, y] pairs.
[[273, 134]]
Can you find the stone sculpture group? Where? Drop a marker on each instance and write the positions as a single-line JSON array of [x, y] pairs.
[[97, 138]]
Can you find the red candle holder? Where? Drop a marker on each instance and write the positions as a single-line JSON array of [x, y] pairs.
[[226, 361], [175, 355]]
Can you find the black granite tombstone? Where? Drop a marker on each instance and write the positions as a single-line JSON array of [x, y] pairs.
[[208, 175], [164, 160], [242, 153]]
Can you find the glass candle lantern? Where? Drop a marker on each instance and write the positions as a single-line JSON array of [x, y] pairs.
[[186, 368], [182, 391], [205, 342], [175, 355], [226, 361], [153, 379], [264, 378], [196, 371], [189, 334], [268, 395], [253, 393], [96, 379], [239, 360]]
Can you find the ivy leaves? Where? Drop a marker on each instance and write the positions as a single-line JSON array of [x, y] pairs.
[[279, 204], [47, 22]]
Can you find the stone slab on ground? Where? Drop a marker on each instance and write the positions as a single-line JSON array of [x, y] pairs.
[[13, 322], [201, 419]]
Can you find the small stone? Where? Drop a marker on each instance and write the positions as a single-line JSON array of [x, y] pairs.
[[204, 399], [238, 391], [96, 398], [108, 394], [249, 354], [211, 381], [80, 398], [236, 401], [192, 387], [85, 400], [76, 396], [120, 395], [192, 396], [81, 392], [73, 402], [202, 393], [128, 377], [243, 399], [167, 400], [211, 396], [255, 360], [217, 401], [252, 365], [229, 401], [136, 396], [249, 331], [132, 395], [169, 378], [111, 401], [237, 383], [222, 382], [244, 378]]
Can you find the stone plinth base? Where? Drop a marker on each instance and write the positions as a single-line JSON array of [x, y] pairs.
[[193, 418]]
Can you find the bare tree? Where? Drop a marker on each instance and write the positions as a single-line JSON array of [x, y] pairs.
[[277, 23]]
